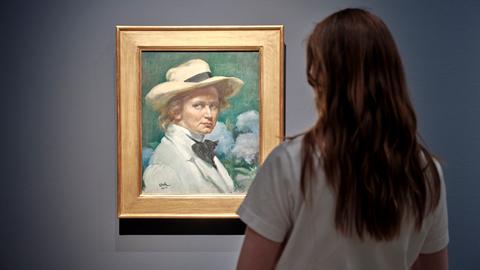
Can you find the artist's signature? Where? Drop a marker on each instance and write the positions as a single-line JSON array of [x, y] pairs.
[[163, 185]]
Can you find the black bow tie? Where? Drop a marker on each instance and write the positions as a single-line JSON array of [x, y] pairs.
[[206, 151]]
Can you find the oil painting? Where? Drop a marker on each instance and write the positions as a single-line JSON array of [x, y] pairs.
[[200, 122]]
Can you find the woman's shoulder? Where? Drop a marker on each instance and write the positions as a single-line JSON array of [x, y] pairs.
[[293, 148], [292, 145], [286, 157]]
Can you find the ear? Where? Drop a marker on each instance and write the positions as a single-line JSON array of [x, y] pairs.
[[176, 116]]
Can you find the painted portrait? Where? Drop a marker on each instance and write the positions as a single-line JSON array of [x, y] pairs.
[[200, 122]]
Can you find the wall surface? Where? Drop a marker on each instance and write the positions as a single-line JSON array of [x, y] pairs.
[[58, 112]]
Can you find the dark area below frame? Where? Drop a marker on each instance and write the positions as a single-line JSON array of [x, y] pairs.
[[149, 226]]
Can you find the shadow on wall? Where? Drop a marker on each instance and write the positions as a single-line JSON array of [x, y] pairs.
[[181, 227]]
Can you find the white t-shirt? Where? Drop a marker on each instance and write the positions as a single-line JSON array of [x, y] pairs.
[[274, 208]]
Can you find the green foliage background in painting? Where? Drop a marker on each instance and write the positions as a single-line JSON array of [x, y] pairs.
[[243, 65]]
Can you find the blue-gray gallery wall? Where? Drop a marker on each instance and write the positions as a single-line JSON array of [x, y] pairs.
[[58, 168]]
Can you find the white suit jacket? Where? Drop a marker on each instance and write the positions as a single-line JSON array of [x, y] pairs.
[[175, 169]]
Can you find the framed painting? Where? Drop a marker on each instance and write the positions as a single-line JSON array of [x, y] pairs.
[[198, 110]]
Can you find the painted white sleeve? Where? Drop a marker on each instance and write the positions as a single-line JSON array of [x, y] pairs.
[[159, 178], [437, 237], [266, 208]]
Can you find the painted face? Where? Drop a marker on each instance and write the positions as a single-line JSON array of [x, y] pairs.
[[200, 110]]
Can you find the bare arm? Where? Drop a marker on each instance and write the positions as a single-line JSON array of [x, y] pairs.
[[437, 260], [258, 252]]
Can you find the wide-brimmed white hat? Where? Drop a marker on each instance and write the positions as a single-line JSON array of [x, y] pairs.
[[189, 76]]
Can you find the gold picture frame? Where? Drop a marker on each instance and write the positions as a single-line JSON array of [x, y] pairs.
[[268, 41]]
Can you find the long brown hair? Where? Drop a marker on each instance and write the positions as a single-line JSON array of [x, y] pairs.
[[367, 130]]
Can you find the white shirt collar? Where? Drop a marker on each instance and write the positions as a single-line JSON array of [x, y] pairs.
[[176, 130], [183, 139]]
